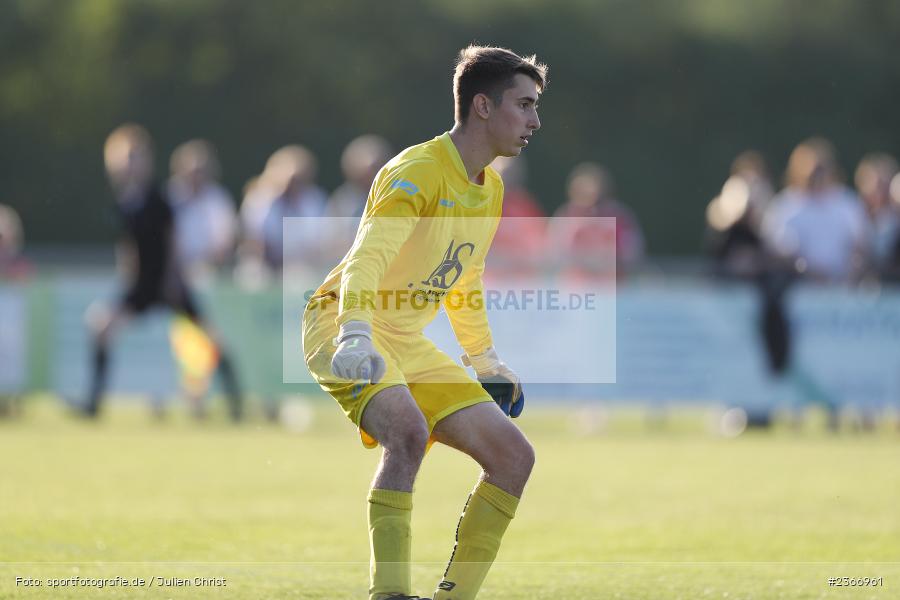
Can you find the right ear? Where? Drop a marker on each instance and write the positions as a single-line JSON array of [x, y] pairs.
[[482, 105]]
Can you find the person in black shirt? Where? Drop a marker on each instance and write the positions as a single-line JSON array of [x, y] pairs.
[[153, 274]]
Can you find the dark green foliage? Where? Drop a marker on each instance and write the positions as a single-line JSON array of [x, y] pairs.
[[664, 92]]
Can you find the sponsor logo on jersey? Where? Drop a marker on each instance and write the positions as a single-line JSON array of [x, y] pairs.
[[447, 203], [446, 585], [407, 186], [446, 273]]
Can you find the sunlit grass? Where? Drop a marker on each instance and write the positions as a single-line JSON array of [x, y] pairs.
[[624, 507]]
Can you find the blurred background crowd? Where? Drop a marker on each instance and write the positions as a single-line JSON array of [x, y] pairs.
[[813, 220], [748, 145]]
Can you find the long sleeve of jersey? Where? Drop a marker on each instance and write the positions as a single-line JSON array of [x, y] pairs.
[[393, 209]]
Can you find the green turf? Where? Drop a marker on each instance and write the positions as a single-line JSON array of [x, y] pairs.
[[671, 512]]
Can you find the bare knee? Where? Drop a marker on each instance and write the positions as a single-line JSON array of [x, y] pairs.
[[529, 456], [515, 462], [393, 419], [524, 459], [407, 442]]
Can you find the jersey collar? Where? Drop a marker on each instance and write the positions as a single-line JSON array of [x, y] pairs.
[[458, 167]]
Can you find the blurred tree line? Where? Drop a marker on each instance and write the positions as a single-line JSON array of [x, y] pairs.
[[664, 92]]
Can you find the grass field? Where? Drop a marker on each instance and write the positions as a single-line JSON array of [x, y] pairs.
[[667, 513]]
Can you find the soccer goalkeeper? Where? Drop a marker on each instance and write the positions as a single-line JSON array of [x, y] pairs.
[[429, 220]]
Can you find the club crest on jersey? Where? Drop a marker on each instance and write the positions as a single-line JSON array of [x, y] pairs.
[[446, 273]]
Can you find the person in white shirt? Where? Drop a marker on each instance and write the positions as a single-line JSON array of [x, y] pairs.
[[360, 162], [816, 223], [205, 216], [294, 194]]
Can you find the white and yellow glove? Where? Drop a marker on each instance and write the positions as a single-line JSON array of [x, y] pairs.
[[356, 357], [498, 380]]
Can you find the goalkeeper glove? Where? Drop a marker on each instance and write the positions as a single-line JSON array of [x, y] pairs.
[[356, 357], [498, 380]]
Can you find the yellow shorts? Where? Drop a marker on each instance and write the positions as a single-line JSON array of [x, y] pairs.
[[439, 386]]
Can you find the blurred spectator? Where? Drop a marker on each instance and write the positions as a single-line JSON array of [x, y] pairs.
[[250, 271], [153, 276], [793, 240], [362, 159], [587, 242], [734, 217], [13, 265], [286, 189], [734, 220], [360, 162], [873, 183], [205, 218], [257, 199], [816, 222], [520, 239], [891, 270]]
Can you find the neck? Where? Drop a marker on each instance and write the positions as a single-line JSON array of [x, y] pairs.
[[474, 150]]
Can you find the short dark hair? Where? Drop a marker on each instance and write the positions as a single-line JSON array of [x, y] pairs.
[[490, 70]]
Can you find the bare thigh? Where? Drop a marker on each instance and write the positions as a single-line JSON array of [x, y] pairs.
[[391, 415], [395, 421]]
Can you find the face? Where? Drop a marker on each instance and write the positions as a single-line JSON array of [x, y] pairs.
[[586, 190], [129, 163], [874, 186], [810, 169], [511, 123], [197, 178]]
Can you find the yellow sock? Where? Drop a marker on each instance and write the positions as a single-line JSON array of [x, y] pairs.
[[485, 518], [390, 538]]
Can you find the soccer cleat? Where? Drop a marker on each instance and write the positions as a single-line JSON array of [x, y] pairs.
[[402, 597]]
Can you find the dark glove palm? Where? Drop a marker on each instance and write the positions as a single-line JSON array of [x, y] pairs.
[[508, 396]]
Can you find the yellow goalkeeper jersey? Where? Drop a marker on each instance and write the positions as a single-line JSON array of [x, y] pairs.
[[421, 244]]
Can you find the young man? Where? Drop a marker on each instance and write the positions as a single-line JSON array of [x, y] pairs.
[[428, 223], [154, 272]]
